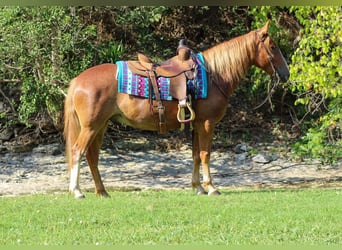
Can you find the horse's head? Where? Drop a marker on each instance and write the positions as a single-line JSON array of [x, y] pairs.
[[268, 55]]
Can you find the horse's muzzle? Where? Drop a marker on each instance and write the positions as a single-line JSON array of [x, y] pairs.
[[284, 75]]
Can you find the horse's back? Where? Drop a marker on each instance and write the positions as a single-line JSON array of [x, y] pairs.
[[99, 75], [96, 82]]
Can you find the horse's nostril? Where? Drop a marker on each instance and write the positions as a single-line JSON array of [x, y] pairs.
[[285, 77], [283, 74]]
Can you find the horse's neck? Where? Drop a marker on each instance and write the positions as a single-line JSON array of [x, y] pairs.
[[228, 62]]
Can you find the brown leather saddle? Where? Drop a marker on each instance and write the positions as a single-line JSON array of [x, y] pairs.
[[180, 68]]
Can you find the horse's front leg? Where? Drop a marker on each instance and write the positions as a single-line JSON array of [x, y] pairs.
[[205, 159], [196, 182], [205, 136]]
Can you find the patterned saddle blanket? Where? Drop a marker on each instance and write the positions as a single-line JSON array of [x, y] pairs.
[[136, 85]]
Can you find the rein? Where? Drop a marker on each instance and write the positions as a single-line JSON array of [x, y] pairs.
[[220, 89], [269, 95]]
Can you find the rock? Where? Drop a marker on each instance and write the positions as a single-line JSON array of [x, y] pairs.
[[241, 157], [3, 149], [6, 134], [56, 151], [21, 174], [262, 158], [52, 149], [275, 157], [240, 148]]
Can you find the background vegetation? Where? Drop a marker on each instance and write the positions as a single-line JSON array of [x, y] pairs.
[[42, 48]]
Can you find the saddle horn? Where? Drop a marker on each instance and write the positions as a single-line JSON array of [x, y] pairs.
[[183, 51]]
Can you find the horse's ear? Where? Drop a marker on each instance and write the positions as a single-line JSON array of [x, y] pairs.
[[264, 30]]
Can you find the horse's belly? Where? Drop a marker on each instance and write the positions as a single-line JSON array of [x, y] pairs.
[[137, 113], [143, 124], [146, 124]]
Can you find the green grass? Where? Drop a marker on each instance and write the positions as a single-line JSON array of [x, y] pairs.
[[310, 216]]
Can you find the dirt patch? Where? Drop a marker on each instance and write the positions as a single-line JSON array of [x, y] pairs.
[[142, 163], [137, 160]]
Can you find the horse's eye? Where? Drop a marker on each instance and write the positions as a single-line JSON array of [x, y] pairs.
[[273, 47]]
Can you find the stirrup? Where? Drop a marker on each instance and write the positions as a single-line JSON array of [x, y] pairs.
[[180, 113]]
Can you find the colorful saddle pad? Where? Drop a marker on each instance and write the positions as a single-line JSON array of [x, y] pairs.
[[136, 85]]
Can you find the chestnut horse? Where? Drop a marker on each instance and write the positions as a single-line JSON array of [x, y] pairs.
[[93, 99]]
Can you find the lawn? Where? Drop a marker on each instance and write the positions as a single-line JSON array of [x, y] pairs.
[[247, 217]]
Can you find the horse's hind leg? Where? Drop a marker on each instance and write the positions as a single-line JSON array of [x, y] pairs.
[[78, 150], [93, 160]]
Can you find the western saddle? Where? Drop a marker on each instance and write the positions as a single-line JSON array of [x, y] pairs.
[[180, 68]]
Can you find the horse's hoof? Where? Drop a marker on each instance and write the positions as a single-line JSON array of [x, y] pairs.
[[214, 192], [79, 196], [102, 194], [201, 191]]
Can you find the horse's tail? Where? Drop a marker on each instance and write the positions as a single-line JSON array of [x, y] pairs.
[[71, 123]]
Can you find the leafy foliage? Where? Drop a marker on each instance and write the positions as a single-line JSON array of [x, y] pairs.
[[316, 79], [316, 70], [43, 47]]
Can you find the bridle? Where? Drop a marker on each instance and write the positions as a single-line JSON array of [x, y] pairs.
[[274, 75], [269, 55]]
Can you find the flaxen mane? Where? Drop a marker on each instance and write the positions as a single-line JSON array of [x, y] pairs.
[[230, 60]]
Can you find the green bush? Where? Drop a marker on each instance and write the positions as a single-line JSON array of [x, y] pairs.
[[316, 70], [316, 79], [44, 47]]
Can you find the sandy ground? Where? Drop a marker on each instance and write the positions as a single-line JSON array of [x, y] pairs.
[[136, 168]]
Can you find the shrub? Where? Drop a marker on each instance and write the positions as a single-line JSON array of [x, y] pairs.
[[44, 47], [316, 73]]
